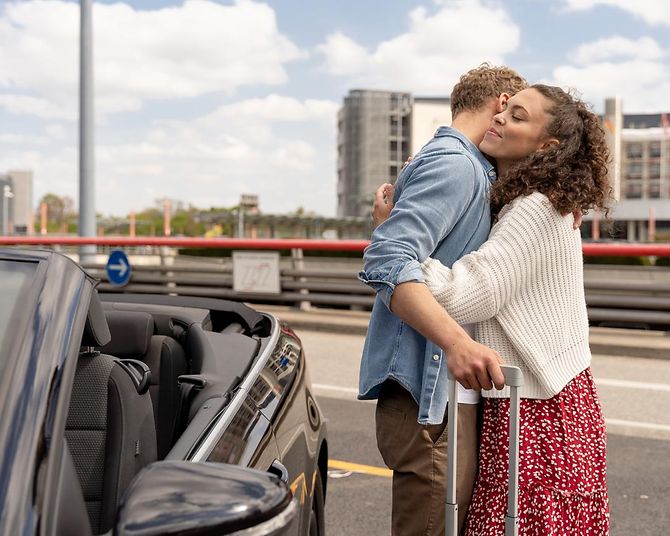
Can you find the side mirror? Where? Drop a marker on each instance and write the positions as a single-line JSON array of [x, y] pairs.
[[189, 498]]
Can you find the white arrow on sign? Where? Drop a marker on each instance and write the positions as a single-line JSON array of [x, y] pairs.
[[122, 267]]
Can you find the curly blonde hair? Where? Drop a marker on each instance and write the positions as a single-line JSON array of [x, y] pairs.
[[573, 173], [478, 86]]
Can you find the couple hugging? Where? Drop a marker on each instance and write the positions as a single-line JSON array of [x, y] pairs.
[[476, 261]]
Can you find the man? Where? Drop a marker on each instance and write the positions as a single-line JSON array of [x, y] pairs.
[[441, 211]]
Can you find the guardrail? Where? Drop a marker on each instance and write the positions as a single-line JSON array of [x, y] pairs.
[[610, 302], [589, 249]]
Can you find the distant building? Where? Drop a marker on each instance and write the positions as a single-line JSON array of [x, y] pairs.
[[428, 114], [373, 142], [16, 203], [377, 131], [640, 146]]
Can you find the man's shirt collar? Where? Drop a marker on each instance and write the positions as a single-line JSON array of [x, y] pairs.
[[489, 169]]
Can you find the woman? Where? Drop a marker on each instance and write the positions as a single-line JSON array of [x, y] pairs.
[[524, 289]]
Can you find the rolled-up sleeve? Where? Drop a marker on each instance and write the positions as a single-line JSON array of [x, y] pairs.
[[432, 193]]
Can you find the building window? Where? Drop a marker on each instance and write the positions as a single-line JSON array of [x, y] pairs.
[[634, 190], [393, 173], [634, 150], [655, 170], [655, 150], [393, 147], [634, 169], [654, 191]]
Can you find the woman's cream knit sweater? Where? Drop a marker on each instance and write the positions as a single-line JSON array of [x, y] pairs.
[[525, 290]]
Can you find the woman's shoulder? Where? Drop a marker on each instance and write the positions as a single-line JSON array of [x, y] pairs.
[[535, 202], [535, 199], [535, 214]]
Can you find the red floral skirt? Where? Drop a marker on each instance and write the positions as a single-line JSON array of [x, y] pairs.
[[562, 466]]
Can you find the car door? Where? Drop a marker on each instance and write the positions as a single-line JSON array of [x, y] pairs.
[[40, 343]]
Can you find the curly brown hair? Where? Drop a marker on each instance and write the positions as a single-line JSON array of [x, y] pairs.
[[476, 87], [573, 173]]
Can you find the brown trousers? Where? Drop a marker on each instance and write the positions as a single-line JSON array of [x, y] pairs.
[[417, 454]]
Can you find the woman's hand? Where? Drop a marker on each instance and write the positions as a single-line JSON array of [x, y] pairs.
[[578, 215], [383, 203]]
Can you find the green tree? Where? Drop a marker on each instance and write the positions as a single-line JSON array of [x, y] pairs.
[[61, 215]]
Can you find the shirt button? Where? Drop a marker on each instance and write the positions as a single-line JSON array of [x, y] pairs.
[[436, 357]]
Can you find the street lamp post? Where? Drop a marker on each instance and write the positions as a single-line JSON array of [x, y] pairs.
[[6, 196], [87, 224]]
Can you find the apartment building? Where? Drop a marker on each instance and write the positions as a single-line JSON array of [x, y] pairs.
[[377, 131], [640, 145], [16, 203]]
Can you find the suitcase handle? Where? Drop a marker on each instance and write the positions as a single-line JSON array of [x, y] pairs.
[[513, 379]]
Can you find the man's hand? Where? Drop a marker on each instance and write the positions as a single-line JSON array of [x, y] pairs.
[[383, 203], [474, 365]]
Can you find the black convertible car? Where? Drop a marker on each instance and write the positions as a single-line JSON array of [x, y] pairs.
[[141, 414]]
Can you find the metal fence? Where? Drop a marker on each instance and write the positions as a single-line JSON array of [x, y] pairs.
[[631, 300]]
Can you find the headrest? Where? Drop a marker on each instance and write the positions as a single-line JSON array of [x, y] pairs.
[[96, 332], [131, 333]]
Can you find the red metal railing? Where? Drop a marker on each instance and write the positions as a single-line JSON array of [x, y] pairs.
[[223, 243], [590, 249]]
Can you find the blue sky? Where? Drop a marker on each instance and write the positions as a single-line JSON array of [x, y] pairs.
[[204, 100]]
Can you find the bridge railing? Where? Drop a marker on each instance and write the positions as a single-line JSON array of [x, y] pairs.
[[592, 249], [628, 300]]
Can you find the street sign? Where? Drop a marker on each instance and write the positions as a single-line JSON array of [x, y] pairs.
[[118, 268], [256, 272]]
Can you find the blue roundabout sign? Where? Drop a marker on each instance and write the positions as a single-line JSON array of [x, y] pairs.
[[118, 268]]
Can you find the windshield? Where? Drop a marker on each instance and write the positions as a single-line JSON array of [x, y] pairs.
[[15, 279]]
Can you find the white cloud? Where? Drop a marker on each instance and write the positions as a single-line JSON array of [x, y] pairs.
[[343, 56], [433, 53], [654, 12], [277, 108], [175, 52], [617, 47], [638, 71], [25, 104], [55, 132], [207, 161], [52, 171], [9, 138]]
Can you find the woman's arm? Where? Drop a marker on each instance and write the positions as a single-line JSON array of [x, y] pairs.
[[479, 284]]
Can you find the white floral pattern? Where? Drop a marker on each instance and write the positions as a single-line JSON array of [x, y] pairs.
[[562, 466]]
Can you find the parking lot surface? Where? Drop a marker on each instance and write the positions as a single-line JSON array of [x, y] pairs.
[[635, 394]]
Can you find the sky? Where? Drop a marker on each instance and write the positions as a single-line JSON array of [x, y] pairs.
[[202, 100]]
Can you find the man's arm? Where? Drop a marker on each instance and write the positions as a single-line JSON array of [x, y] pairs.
[[474, 365], [430, 204]]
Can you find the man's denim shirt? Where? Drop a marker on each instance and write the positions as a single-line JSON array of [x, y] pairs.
[[442, 211]]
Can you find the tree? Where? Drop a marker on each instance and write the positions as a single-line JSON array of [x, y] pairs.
[[60, 212]]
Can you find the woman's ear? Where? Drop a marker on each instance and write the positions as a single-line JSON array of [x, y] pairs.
[[548, 144]]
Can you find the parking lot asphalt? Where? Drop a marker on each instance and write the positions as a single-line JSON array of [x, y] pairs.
[[635, 393], [360, 503]]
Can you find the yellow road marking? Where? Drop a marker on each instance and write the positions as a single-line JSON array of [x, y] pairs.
[[358, 468], [301, 482]]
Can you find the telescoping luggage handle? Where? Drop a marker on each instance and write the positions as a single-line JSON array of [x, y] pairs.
[[513, 379]]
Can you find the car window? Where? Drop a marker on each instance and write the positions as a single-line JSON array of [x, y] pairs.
[[15, 279]]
